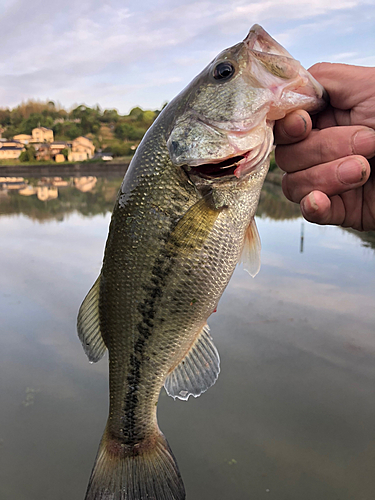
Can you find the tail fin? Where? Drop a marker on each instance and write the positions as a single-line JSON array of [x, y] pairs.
[[141, 473]]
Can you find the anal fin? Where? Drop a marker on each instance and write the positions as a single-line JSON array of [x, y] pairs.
[[250, 257], [197, 371], [88, 325]]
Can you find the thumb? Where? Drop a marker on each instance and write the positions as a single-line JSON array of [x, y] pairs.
[[294, 127]]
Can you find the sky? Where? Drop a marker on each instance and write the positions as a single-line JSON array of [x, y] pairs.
[[125, 53]]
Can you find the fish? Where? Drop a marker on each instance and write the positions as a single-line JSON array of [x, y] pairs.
[[182, 221]]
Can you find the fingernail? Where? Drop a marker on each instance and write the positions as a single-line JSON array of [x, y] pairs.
[[364, 143], [296, 127], [351, 171]]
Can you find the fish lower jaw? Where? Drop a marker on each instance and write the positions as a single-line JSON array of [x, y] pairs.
[[236, 167]]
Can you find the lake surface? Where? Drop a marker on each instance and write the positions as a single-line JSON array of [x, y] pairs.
[[292, 415]]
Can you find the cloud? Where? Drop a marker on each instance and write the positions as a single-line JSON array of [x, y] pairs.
[[103, 52]]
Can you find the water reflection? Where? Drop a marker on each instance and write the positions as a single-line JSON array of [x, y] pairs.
[[292, 415], [67, 198], [48, 198]]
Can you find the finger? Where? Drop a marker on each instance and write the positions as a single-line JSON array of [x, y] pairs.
[[344, 83], [318, 208], [294, 127], [328, 118], [323, 146], [344, 210], [331, 178]]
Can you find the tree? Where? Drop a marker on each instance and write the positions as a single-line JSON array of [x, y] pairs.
[[110, 116], [5, 117], [127, 132], [65, 152], [136, 114], [35, 120], [28, 154]]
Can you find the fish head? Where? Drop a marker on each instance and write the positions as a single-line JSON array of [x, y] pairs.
[[223, 124]]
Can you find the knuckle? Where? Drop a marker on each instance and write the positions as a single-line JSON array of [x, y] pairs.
[[326, 149], [318, 69], [282, 157]]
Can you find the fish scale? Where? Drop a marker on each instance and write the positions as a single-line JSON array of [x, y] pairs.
[[178, 230]]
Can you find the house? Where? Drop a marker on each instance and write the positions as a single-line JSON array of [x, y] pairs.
[[42, 134], [10, 149], [59, 158], [57, 146], [10, 152], [82, 149], [11, 143], [23, 138], [43, 152]]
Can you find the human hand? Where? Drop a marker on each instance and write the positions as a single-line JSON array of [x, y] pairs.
[[330, 170]]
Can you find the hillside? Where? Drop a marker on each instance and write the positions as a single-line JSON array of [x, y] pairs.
[[110, 131]]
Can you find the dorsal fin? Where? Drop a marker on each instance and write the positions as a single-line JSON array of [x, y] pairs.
[[250, 257], [88, 325], [197, 371]]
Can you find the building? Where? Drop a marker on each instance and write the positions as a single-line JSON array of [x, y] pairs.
[[10, 153], [59, 158], [58, 146], [82, 149], [23, 138], [10, 149], [43, 152], [42, 134], [11, 143]]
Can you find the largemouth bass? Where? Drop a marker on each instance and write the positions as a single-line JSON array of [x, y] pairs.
[[183, 217]]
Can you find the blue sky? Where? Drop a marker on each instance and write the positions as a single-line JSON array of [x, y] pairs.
[[120, 54]]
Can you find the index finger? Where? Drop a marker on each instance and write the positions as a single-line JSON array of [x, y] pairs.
[[294, 127], [344, 83]]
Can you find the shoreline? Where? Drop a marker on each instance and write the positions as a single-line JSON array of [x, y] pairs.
[[60, 170]]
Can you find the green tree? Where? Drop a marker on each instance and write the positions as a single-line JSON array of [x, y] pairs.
[[136, 114], [149, 117], [127, 132], [119, 149], [28, 154], [65, 152], [35, 120], [72, 130], [4, 117], [110, 116]]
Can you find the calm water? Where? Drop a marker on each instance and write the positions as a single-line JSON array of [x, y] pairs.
[[292, 416]]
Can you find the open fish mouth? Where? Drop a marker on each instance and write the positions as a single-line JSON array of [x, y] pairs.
[[223, 168], [238, 166]]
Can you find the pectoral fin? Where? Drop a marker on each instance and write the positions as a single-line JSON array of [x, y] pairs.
[[194, 227], [88, 325], [250, 257], [197, 371]]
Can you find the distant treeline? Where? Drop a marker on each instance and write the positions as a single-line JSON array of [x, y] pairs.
[[109, 130]]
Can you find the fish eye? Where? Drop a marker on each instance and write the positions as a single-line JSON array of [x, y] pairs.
[[224, 71]]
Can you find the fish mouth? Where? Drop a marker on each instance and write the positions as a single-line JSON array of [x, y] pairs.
[[220, 169], [238, 166]]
